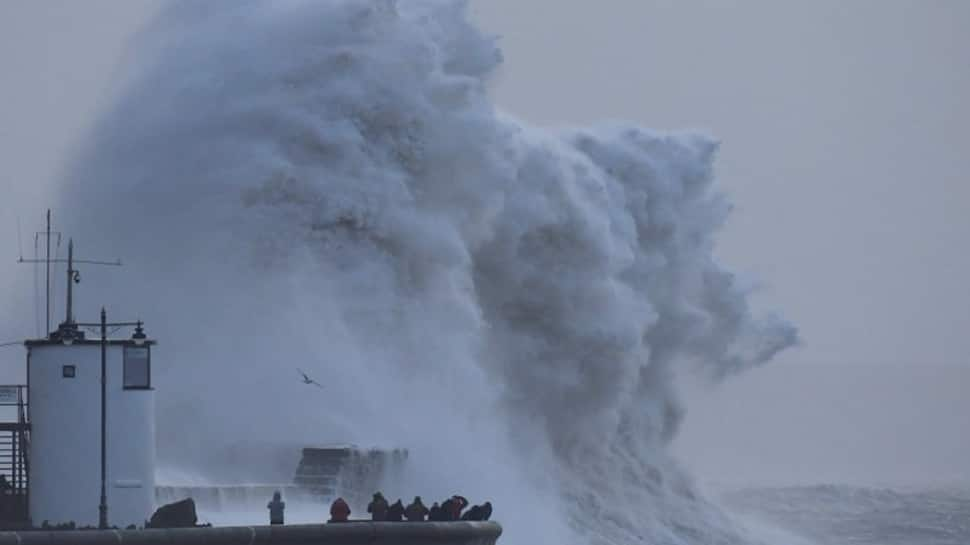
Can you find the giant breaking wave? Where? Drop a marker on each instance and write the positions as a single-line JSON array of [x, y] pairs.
[[326, 185]]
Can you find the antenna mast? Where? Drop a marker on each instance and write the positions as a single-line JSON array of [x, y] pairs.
[[47, 293], [47, 261], [73, 275]]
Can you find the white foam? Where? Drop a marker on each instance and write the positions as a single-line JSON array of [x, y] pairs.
[[326, 185]]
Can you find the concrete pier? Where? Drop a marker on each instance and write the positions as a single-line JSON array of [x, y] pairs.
[[350, 533]]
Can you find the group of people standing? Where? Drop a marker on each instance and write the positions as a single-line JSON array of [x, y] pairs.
[[449, 509], [382, 511], [452, 508]]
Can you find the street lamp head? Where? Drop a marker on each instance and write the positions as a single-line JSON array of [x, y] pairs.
[[67, 333], [139, 336]]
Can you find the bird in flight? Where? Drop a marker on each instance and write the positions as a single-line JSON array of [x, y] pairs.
[[307, 379]]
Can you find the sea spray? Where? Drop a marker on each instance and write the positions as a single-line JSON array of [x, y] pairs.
[[326, 185]]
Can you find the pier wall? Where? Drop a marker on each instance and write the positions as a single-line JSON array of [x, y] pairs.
[[352, 533]]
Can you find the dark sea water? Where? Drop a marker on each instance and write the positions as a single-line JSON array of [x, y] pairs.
[[838, 515]]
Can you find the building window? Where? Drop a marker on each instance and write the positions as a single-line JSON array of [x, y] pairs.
[[68, 371], [138, 368]]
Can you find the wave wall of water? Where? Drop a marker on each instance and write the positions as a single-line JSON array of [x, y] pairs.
[[327, 186]]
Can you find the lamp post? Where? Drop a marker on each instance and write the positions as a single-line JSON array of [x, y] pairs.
[[103, 504], [139, 337]]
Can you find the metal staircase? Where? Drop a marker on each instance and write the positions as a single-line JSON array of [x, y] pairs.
[[14, 456]]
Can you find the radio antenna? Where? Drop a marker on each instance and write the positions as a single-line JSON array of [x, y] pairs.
[[47, 237], [73, 275], [20, 239]]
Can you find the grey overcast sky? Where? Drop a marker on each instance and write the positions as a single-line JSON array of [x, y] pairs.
[[844, 149]]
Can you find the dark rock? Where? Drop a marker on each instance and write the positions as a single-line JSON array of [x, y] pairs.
[[180, 514]]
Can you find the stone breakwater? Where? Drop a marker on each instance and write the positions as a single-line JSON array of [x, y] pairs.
[[417, 533]]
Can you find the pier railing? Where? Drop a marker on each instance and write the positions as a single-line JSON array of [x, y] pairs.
[[14, 454]]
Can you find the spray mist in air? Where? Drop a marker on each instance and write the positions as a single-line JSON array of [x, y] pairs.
[[327, 186]]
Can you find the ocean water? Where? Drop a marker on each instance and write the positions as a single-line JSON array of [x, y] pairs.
[[849, 515]]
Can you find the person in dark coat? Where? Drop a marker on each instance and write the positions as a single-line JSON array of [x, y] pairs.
[[395, 513], [435, 512], [339, 511], [416, 511], [378, 507], [447, 509], [478, 512], [475, 513], [276, 509]]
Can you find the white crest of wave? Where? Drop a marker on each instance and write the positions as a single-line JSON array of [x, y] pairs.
[[326, 185]]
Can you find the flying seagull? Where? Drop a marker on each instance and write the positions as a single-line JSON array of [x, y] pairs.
[[307, 379]]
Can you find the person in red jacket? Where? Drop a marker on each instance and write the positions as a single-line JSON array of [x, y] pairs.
[[458, 506], [339, 511]]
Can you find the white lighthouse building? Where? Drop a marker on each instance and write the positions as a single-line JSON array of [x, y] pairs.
[[65, 415], [84, 441]]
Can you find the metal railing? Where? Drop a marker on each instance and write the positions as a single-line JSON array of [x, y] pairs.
[[14, 453]]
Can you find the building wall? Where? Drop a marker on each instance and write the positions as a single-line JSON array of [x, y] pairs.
[[131, 450], [65, 462]]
